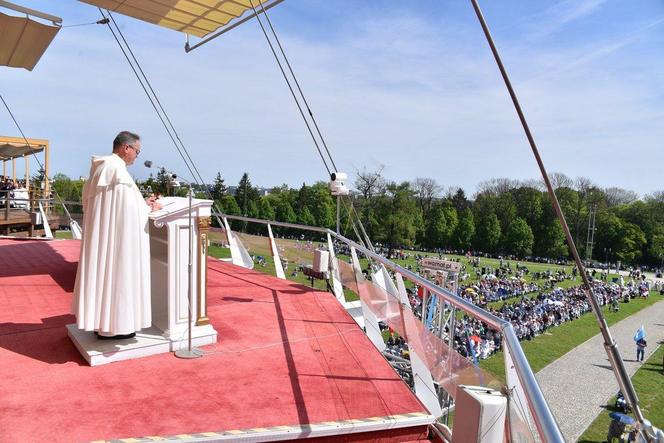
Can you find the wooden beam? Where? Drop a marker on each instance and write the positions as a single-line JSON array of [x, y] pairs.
[[27, 171], [21, 141], [47, 174]]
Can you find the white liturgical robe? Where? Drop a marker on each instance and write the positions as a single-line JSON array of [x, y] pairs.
[[112, 290]]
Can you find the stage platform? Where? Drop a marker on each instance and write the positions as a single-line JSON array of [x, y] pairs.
[[290, 363]]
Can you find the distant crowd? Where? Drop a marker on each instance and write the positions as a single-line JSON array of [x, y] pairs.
[[532, 317], [8, 184]]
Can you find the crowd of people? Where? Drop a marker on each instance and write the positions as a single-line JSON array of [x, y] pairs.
[[15, 190], [8, 184], [531, 317]]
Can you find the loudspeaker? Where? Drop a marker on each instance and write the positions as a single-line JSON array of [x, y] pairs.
[[321, 261], [479, 415]]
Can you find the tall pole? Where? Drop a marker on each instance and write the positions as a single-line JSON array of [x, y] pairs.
[[189, 352], [338, 197], [617, 364]]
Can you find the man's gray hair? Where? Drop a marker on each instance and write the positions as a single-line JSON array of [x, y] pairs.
[[125, 137]]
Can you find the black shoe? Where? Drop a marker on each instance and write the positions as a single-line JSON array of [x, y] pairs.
[[115, 337]]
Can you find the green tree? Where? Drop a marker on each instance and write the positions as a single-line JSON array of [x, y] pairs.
[[219, 189], [552, 240], [488, 233], [265, 209], [245, 193], [399, 216], [505, 210], [657, 245], [459, 200], [528, 203], [436, 229], [159, 184], [632, 241], [519, 238], [452, 219], [38, 178], [465, 230], [68, 190], [324, 206], [284, 211], [229, 205], [305, 217]]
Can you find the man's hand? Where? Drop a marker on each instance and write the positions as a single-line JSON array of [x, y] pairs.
[[153, 203]]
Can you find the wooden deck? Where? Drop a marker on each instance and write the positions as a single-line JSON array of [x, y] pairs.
[[18, 217]]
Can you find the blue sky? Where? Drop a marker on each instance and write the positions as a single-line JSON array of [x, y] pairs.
[[408, 85]]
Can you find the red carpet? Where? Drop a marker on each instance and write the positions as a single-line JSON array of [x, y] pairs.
[[287, 355]]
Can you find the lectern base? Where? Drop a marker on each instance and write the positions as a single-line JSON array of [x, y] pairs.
[[188, 353], [147, 342]]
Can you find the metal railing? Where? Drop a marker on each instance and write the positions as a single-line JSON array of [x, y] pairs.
[[9, 202], [542, 416]]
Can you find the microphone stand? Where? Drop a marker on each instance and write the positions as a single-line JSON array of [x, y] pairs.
[[189, 352]]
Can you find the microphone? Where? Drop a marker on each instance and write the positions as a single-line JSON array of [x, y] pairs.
[[173, 176]]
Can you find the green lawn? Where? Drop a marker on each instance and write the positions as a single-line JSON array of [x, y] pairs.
[[649, 384], [63, 234], [557, 341]]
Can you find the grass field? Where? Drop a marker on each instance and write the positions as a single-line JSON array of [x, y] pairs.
[[649, 384]]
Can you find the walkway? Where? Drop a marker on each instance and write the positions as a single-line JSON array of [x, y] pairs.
[[579, 383]]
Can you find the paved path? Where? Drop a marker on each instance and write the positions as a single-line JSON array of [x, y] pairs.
[[579, 383]]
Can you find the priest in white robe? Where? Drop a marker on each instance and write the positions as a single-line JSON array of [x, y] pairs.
[[112, 290]]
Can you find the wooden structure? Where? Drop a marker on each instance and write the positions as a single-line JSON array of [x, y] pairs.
[[12, 148]]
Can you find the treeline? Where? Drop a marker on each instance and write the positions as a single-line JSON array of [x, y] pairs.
[[504, 217]]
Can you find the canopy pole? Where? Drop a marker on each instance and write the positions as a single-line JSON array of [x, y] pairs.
[[610, 346], [27, 171], [188, 48], [14, 170], [51, 18]]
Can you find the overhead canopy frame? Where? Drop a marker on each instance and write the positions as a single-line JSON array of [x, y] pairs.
[[23, 41], [199, 18], [12, 147]]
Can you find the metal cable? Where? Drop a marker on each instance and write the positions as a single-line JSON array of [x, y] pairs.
[[156, 97], [297, 102], [161, 118], [612, 351], [145, 89], [304, 99], [34, 154]]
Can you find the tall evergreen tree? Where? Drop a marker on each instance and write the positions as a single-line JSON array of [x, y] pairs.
[[245, 193], [219, 189]]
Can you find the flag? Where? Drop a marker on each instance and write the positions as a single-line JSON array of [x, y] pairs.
[[640, 333]]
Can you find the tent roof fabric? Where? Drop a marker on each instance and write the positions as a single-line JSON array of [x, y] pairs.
[[23, 41], [17, 150], [193, 17]]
